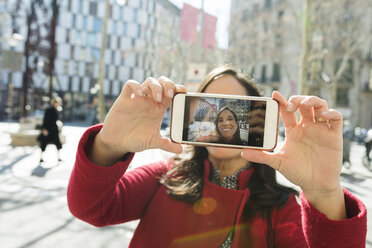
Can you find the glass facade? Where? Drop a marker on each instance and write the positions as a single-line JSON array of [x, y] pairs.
[[79, 38]]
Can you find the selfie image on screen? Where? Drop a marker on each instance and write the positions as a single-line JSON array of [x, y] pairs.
[[224, 121]]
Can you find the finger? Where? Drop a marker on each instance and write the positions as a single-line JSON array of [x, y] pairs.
[[311, 106], [334, 118], [132, 87], [288, 117], [169, 146], [152, 87], [168, 85], [180, 89], [261, 157]]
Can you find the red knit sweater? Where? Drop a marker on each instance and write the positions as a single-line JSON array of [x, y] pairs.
[[109, 195]]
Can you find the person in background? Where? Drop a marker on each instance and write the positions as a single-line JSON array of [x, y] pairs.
[[49, 129], [368, 144], [216, 197]]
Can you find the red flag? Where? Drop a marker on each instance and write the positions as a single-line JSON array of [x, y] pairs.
[[188, 23], [209, 32]]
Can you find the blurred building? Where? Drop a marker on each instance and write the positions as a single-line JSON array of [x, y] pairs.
[[134, 30], [3, 85], [130, 33], [2, 21], [265, 41]]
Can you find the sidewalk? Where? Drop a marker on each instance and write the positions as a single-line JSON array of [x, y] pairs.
[[33, 207]]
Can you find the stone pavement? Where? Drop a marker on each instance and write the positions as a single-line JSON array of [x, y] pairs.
[[33, 207]]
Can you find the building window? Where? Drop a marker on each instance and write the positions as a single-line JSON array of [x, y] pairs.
[[93, 8], [121, 10], [139, 31], [131, 72], [108, 41], [78, 38], [80, 84], [263, 74], [113, 57], [97, 25], [73, 20], [124, 29], [91, 39], [65, 67], [276, 73], [85, 23], [80, 6], [114, 27], [135, 15], [67, 36], [96, 54], [70, 84], [148, 20], [89, 69], [69, 6], [76, 68], [82, 54]]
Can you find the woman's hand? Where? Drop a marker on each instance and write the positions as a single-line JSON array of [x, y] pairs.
[[212, 137], [44, 132], [133, 122], [311, 156]]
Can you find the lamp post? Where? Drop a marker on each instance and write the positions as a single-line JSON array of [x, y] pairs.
[[101, 96]]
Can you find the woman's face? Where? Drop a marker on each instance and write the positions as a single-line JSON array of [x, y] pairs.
[[227, 125], [230, 86]]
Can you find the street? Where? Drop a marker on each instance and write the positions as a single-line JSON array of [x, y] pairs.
[[33, 207]]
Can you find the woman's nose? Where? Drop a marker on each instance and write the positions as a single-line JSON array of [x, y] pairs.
[[226, 122]]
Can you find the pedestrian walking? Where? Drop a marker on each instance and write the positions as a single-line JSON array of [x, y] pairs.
[[93, 113], [368, 144], [216, 197], [51, 128]]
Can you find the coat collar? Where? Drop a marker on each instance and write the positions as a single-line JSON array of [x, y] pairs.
[[243, 178]]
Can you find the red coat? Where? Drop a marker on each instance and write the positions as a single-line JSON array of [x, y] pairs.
[[105, 196]]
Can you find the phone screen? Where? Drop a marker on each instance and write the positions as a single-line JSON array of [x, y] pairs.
[[224, 121]]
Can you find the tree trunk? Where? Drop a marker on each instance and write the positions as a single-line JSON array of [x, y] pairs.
[[332, 94], [53, 51], [26, 74]]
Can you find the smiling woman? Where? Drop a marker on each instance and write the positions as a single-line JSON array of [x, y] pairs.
[[214, 196], [227, 126]]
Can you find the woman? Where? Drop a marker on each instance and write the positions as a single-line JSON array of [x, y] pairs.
[[49, 130], [219, 197], [227, 127]]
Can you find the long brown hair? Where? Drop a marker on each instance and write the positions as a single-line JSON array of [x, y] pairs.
[[185, 180]]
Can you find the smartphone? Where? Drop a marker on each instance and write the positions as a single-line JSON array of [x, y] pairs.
[[224, 120]]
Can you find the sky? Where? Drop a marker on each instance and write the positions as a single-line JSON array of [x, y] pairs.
[[218, 8]]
